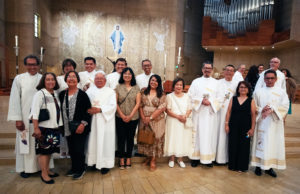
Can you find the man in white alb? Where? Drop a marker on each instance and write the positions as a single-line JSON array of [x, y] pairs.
[[203, 93], [112, 79], [238, 75], [21, 95], [268, 147], [87, 76], [226, 89], [101, 143], [274, 64], [142, 80]]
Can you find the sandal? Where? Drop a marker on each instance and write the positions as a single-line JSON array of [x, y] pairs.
[[152, 166], [146, 162], [128, 165], [121, 166]]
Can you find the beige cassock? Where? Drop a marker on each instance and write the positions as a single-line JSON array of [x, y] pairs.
[[226, 89], [268, 148], [21, 95], [204, 118]]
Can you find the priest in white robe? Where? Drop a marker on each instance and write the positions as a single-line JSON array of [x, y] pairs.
[[101, 142], [203, 93], [22, 92], [274, 64], [268, 147], [226, 89], [142, 80], [87, 76], [238, 75], [113, 78]]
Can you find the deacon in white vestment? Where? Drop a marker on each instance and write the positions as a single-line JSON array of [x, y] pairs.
[[87, 76], [203, 93], [142, 80], [112, 79], [101, 143], [268, 148], [22, 92], [226, 89], [274, 64], [238, 75]]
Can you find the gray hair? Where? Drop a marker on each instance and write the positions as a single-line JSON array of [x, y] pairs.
[[239, 66], [101, 72]]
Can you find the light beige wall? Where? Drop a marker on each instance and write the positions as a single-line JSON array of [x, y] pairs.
[[2, 45], [295, 23], [290, 59]]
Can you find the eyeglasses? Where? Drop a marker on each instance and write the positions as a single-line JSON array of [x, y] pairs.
[[229, 70], [274, 61], [270, 78], [243, 87], [31, 64], [207, 68]]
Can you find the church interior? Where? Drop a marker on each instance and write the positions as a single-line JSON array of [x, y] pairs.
[[177, 36]]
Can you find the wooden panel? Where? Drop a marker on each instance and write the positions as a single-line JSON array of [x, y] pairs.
[[214, 35]]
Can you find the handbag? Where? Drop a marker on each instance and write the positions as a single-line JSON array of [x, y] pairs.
[[44, 112], [189, 120], [73, 125], [146, 136]]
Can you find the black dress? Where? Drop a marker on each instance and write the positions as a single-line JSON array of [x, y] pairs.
[[239, 143]]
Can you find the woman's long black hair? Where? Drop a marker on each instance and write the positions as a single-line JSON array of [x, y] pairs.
[[159, 90]]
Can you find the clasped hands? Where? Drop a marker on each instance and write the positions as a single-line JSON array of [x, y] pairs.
[[94, 110], [266, 111], [205, 102]]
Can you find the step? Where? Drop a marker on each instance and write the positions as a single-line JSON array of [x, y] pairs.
[[7, 143], [7, 133]]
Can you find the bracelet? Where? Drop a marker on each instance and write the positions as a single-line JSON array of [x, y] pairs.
[[84, 123]]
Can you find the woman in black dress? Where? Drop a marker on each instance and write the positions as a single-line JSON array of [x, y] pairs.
[[240, 124]]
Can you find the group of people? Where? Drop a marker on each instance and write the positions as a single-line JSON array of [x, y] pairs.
[[90, 116]]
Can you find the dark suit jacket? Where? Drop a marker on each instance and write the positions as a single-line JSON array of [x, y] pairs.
[[82, 105]]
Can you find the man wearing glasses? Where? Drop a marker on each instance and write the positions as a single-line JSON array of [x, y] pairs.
[[274, 65], [21, 95], [268, 148], [226, 89], [203, 94], [143, 79]]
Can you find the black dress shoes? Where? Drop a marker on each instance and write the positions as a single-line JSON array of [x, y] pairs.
[[24, 175], [194, 163], [209, 165], [271, 172], [51, 181], [104, 170], [53, 175], [258, 171]]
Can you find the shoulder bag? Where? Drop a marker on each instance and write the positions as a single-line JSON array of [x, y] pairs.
[[44, 112]]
